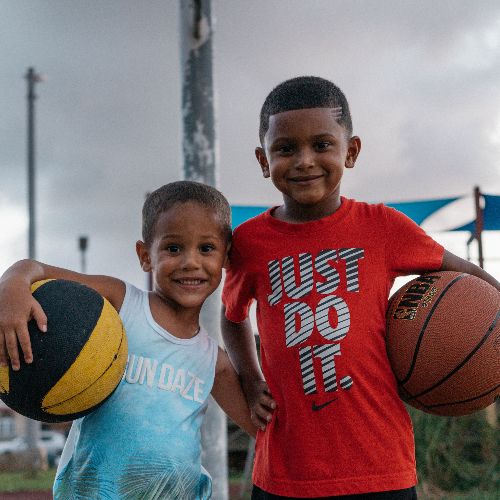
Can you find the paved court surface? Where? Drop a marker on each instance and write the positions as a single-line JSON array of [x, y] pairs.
[[27, 495]]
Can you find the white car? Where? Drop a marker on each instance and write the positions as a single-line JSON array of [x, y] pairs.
[[51, 441]]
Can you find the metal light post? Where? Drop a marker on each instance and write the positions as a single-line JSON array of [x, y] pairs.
[[32, 78], [32, 427], [200, 164]]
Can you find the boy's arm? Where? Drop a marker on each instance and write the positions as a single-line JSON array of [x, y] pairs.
[[239, 340], [229, 395], [17, 305], [452, 262]]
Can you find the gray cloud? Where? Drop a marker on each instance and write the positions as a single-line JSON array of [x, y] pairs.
[[422, 79]]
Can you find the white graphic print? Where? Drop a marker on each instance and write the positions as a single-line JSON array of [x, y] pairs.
[[306, 365], [294, 337], [326, 353], [300, 318], [275, 277], [343, 318], [330, 273], [187, 385], [306, 276], [351, 256]]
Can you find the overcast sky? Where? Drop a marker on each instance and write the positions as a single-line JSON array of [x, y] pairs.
[[422, 78]]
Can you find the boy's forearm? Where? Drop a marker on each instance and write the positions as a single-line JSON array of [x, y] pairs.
[[453, 263], [25, 270], [240, 344], [17, 307], [229, 395], [239, 341], [31, 271], [28, 271]]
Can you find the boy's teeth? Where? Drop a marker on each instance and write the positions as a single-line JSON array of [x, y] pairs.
[[190, 282]]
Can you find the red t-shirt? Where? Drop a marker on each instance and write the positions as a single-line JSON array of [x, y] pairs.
[[322, 290]]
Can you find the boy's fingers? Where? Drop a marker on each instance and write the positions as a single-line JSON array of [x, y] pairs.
[[265, 398], [23, 337], [39, 316], [11, 347], [259, 422], [268, 401], [3, 351], [263, 386], [264, 414]]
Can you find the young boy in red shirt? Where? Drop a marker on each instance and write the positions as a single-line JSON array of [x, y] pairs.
[[321, 267]]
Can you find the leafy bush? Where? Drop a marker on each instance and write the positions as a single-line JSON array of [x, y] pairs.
[[456, 453]]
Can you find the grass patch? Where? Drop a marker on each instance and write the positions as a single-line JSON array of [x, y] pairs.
[[15, 481], [473, 494]]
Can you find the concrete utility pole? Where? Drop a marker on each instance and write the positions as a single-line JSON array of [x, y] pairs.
[[32, 78], [200, 164], [32, 427]]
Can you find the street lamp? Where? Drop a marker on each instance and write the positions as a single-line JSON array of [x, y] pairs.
[[32, 426], [32, 78]]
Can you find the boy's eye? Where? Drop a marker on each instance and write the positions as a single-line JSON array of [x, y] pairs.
[[285, 149], [173, 249], [206, 248], [322, 145]]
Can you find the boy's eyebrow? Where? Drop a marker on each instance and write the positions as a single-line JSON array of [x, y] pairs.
[[315, 137], [179, 235]]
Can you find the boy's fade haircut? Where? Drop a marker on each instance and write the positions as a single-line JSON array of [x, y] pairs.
[[174, 193], [304, 92]]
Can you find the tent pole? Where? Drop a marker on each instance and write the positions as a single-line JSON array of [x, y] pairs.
[[490, 411], [478, 230]]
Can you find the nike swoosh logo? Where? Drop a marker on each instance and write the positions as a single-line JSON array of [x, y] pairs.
[[317, 408]]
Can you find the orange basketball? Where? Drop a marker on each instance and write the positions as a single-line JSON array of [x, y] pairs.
[[443, 343]]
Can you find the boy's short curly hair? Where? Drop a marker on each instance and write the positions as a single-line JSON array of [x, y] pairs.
[[304, 92], [169, 195]]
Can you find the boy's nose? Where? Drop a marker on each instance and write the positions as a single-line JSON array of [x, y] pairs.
[[190, 259], [305, 158]]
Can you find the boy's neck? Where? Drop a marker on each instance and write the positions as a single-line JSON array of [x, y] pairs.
[[183, 324], [297, 213]]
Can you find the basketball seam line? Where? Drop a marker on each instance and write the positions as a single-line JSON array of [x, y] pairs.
[[420, 337], [463, 401], [483, 340], [46, 408]]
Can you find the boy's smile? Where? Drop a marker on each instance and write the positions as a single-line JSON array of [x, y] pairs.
[[306, 151], [187, 255]]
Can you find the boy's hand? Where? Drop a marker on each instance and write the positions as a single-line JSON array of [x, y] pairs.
[[260, 402], [17, 307]]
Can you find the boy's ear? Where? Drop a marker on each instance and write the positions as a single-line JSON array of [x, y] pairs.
[[227, 260], [260, 154], [353, 149], [143, 253]]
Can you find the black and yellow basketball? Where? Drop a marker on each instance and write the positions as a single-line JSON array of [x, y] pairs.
[[77, 363]]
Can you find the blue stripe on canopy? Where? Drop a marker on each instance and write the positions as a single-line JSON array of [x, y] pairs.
[[491, 215], [242, 213], [418, 211]]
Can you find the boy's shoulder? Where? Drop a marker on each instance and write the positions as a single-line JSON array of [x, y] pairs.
[[364, 209], [349, 206]]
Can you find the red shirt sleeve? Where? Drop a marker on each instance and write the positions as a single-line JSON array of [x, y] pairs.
[[237, 294], [410, 250]]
